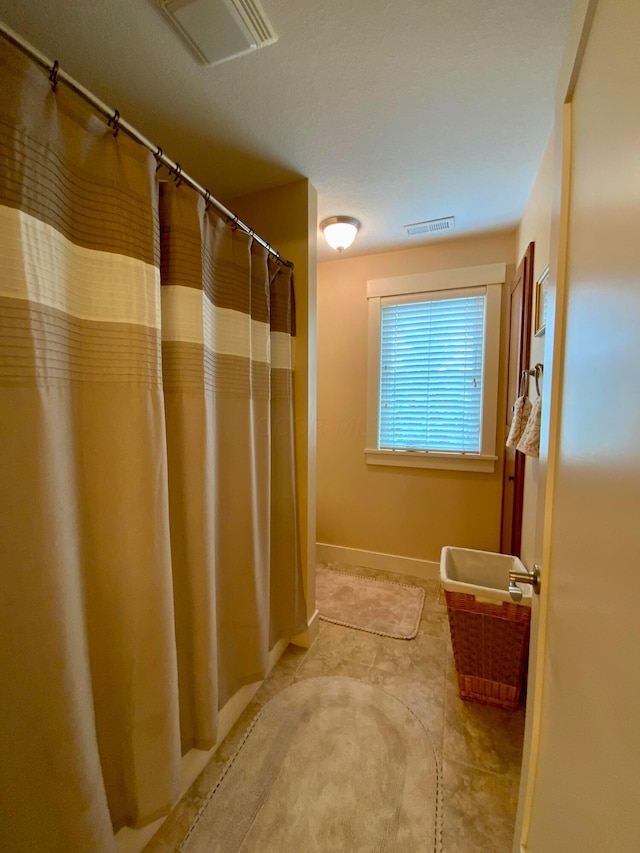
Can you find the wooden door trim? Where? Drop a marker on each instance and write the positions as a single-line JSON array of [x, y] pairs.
[[526, 264], [525, 350]]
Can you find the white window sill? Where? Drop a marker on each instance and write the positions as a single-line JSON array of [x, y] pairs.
[[431, 459]]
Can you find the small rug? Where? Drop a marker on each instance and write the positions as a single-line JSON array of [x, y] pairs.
[[380, 607], [329, 764]]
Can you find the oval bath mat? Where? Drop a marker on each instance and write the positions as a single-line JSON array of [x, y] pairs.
[[329, 764]]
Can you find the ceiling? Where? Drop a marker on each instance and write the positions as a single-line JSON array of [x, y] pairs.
[[398, 111]]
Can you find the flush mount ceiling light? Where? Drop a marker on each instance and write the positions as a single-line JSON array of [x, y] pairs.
[[340, 231]]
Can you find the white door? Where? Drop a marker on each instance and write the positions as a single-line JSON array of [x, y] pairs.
[[582, 790]]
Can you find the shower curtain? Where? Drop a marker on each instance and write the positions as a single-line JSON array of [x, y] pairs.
[[148, 544]]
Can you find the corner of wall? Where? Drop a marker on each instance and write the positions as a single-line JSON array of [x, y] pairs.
[[287, 218]]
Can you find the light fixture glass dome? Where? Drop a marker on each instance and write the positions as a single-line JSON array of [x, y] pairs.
[[340, 231]]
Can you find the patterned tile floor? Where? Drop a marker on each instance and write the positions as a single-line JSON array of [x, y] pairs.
[[480, 747]]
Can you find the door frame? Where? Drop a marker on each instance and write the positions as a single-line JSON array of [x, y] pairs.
[[580, 25], [523, 343]]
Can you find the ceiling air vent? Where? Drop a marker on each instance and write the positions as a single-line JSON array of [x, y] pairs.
[[432, 226], [217, 30]]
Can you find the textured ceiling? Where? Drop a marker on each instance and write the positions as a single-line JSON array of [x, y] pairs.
[[396, 110]]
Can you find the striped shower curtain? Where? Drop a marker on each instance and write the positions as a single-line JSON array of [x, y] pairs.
[[148, 545]]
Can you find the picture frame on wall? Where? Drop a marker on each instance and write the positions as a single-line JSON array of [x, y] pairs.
[[541, 302]]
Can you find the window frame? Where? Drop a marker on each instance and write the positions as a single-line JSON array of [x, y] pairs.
[[489, 279]]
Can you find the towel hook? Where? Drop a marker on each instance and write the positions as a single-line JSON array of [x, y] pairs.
[[536, 372]]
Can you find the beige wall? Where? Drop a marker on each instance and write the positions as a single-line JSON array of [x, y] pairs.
[[287, 218], [536, 219], [535, 227], [402, 511]]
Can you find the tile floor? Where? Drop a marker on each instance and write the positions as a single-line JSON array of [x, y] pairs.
[[480, 747]]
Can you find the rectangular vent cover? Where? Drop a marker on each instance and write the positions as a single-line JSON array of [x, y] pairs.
[[217, 30], [431, 226]]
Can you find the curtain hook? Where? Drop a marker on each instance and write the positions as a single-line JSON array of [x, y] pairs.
[[177, 174], [53, 75], [159, 155], [114, 122], [207, 199]]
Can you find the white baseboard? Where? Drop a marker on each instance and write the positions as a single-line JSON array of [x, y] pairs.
[[424, 569], [193, 763]]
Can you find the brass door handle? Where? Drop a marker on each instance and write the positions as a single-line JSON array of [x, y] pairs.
[[516, 577]]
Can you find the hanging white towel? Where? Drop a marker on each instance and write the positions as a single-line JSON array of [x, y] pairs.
[[521, 411], [529, 443]]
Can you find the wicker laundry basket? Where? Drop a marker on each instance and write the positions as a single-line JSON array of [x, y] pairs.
[[489, 633]]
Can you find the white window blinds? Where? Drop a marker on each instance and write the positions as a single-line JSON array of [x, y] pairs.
[[431, 365]]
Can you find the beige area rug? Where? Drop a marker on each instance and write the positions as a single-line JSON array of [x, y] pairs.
[[380, 607], [329, 764]]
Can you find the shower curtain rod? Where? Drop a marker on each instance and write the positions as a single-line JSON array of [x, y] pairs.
[[57, 75]]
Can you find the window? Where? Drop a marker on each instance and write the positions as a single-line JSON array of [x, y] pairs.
[[433, 365], [431, 353]]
